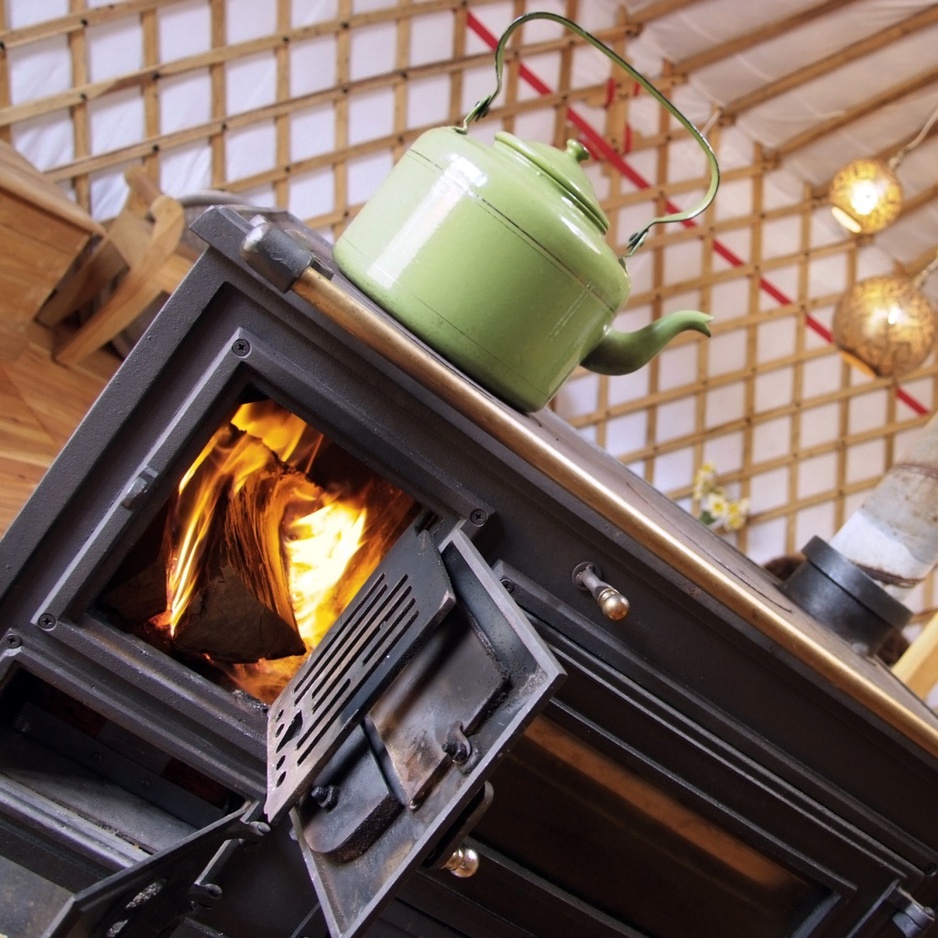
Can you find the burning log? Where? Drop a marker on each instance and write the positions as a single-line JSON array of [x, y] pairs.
[[241, 609], [227, 622], [269, 535]]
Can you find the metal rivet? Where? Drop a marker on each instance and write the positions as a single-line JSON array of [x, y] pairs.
[[135, 491]]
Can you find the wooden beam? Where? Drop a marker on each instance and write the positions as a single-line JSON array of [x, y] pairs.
[[219, 125], [746, 41], [918, 264], [919, 201], [218, 56], [78, 21], [857, 50], [141, 286], [891, 95]]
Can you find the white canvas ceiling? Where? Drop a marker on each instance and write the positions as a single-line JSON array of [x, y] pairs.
[[861, 74]]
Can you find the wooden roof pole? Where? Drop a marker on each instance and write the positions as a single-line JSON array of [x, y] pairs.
[[856, 50]]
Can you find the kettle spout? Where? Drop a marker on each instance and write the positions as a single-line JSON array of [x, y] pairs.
[[619, 353]]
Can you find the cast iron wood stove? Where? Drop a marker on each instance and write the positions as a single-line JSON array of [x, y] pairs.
[[713, 764]]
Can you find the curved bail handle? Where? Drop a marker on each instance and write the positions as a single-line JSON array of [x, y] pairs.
[[482, 108]]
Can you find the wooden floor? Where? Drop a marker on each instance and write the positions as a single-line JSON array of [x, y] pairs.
[[41, 403]]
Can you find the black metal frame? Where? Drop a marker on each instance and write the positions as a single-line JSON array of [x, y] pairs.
[[683, 694]]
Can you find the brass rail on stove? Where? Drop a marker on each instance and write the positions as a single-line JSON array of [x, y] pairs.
[[522, 435]]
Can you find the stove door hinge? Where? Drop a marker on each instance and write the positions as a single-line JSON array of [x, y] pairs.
[[912, 918]]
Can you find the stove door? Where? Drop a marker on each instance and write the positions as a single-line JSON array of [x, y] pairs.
[[382, 742]]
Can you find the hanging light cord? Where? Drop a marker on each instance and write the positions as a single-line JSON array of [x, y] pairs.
[[894, 161], [711, 121], [925, 272]]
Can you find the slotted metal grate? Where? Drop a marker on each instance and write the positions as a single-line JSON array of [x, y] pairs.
[[360, 655]]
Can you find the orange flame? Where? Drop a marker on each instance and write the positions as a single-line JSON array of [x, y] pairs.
[[223, 466], [326, 540]]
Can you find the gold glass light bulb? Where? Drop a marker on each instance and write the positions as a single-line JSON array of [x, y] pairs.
[[885, 326], [865, 196]]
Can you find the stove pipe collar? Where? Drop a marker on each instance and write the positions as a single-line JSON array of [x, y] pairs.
[[843, 598]]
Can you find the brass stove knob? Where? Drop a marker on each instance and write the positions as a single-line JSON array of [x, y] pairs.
[[463, 863], [611, 602]]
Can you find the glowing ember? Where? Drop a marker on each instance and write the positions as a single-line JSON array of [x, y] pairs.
[[301, 548]]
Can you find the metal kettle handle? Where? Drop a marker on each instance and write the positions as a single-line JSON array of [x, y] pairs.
[[482, 108]]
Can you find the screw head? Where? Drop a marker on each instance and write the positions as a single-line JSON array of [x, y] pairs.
[[241, 347], [46, 621], [457, 751], [13, 640], [137, 489], [326, 796]]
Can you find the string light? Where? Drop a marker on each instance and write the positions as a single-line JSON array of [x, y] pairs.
[[886, 325], [866, 195]]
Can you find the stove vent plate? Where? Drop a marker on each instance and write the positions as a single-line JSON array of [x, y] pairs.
[[366, 647]]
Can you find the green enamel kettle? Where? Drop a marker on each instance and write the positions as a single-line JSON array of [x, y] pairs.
[[495, 255]]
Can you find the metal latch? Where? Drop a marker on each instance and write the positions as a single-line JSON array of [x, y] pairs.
[[153, 896]]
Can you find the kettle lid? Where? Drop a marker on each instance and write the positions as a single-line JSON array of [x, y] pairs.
[[564, 167]]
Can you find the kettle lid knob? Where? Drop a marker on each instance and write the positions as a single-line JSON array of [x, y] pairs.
[[563, 166], [578, 151]]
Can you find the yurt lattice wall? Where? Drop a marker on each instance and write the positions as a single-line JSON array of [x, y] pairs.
[[306, 105]]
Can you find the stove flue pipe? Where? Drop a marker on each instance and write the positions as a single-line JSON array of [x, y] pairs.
[[893, 537], [856, 583]]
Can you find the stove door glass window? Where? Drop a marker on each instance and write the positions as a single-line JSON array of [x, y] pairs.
[[268, 536]]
